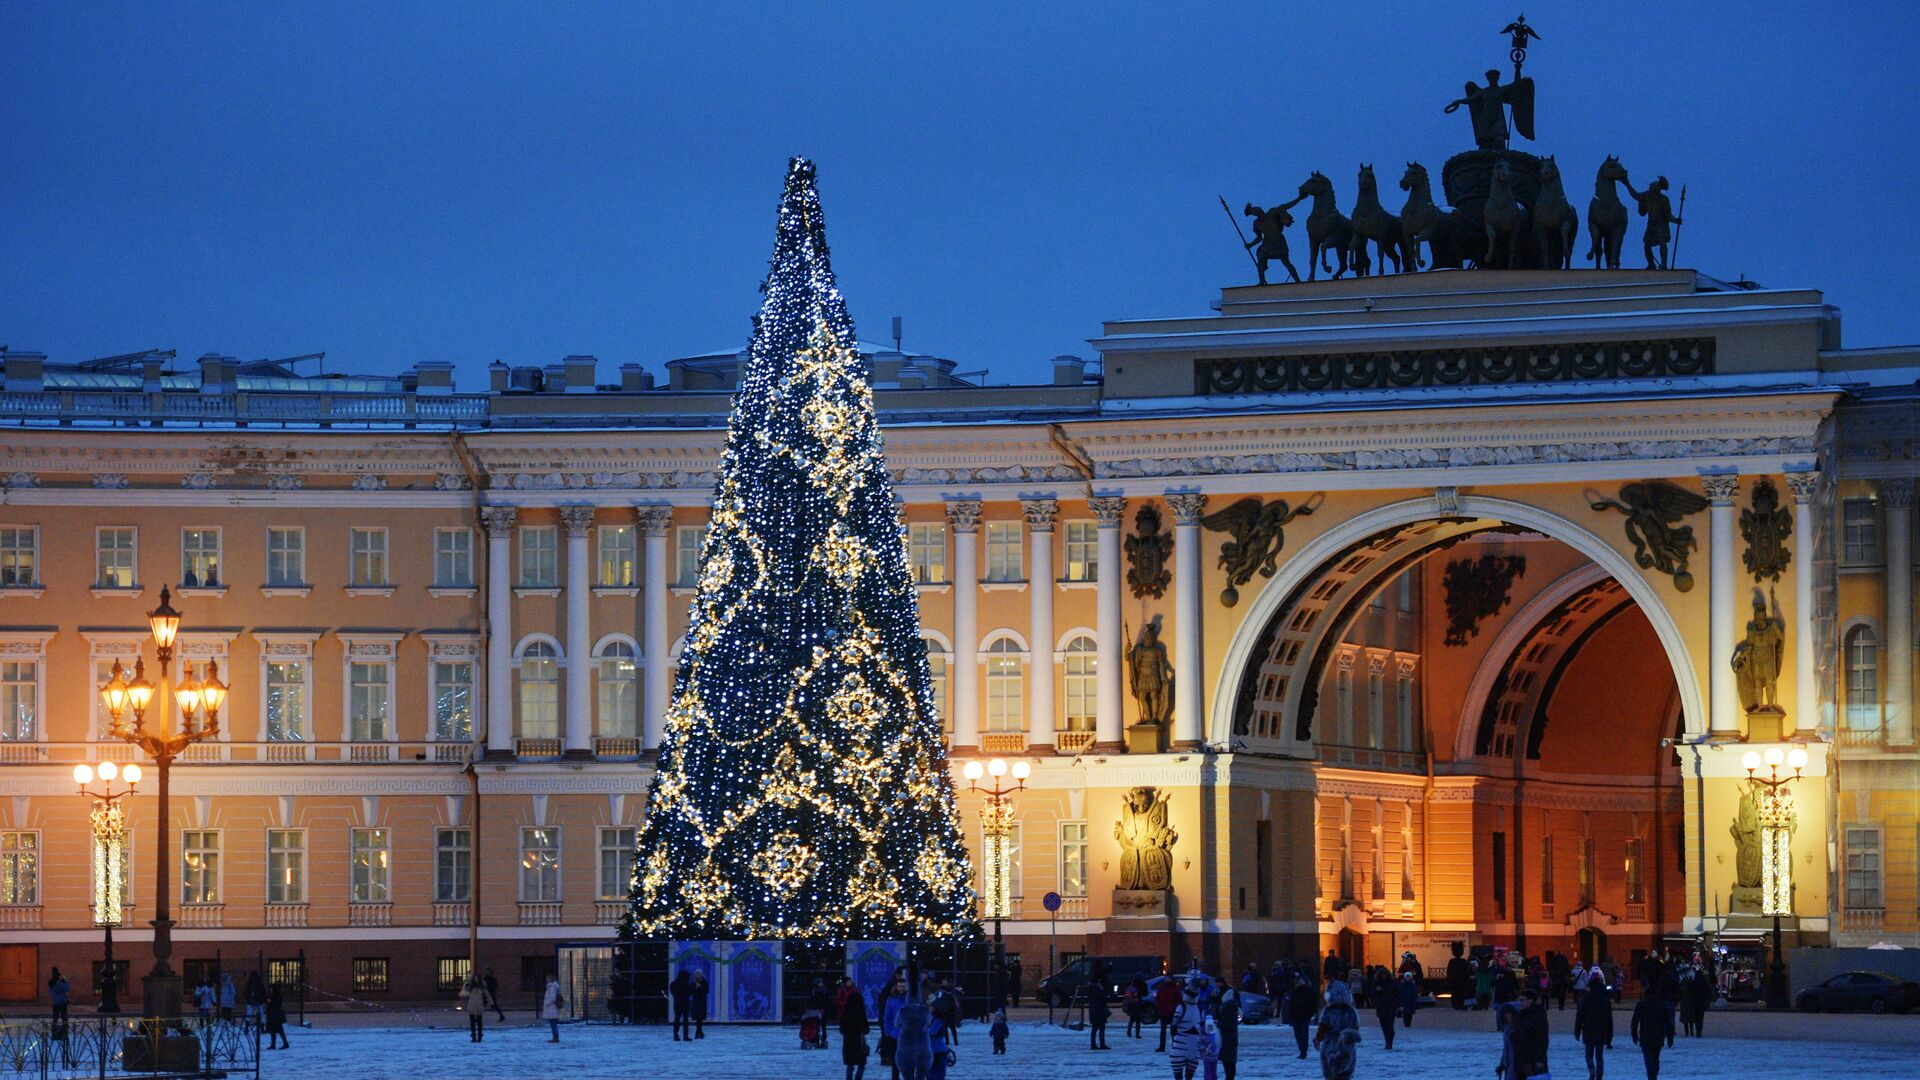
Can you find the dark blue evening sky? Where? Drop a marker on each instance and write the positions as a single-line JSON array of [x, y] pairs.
[[395, 182]]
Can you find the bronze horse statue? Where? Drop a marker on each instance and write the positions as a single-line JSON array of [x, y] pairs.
[[1506, 220], [1426, 223], [1372, 222], [1607, 215], [1328, 230], [1555, 223]]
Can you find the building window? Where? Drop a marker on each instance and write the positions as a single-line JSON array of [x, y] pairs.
[[369, 566], [20, 868], [1863, 868], [1586, 871], [1406, 851], [1006, 687], [1263, 868], [937, 666], [1003, 551], [19, 700], [1082, 551], [199, 558], [539, 691], [1343, 704], [619, 848], [1376, 710], [452, 866], [927, 553], [688, 541], [1404, 711], [19, 556], [450, 973], [369, 701], [539, 557], [618, 688], [452, 701], [618, 557], [1379, 843], [370, 975], [1499, 875], [115, 552], [540, 865], [1636, 891], [1073, 858], [1859, 532], [1403, 592], [372, 869], [286, 558], [286, 700], [1863, 679], [1546, 871], [286, 866], [200, 866], [453, 558], [289, 974], [1082, 683]]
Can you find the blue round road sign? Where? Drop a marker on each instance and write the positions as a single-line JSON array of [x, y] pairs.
[[1051, 901]]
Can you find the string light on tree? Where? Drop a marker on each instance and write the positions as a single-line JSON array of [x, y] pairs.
[[802, 790]]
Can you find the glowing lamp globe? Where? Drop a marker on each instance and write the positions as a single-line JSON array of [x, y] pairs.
[[82, 775], [1750, 761], [106, 770], [1022, 770], [131, 774], [973, 771], [1797, 759], [1775, 756]]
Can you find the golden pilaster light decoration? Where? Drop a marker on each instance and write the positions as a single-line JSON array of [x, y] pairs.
[[996, 840], [108, 822], [1775, 811]]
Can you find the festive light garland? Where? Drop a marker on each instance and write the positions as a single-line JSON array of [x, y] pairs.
[[802, 788]]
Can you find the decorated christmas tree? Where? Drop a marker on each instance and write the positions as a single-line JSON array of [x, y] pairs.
[[802, 789]]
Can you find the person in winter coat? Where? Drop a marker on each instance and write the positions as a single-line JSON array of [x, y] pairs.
[[1187, 1025], [1166, 998], [550, 1003], [913, 1052], [1459, 978], [1226, 1023], [1302, 1002], [277, 1020], [1482, 985], [1209, 1049], [1406, 994], [699, 1003], [58, 992], [205, 997], [680, 995], [1099, 1009], [1385, 1004], [1652, 1031], [853, 1035], [473, 992], [229, 997], [1593, 1026], [1529, 1034], [256, 998], [1134, 1001], [493, 995], [1333, 967], [998, 1031], [1338, 1036], [890, 1007], [1696, 995]]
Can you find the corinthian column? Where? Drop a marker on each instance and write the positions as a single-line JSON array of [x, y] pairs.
[[964, 673], [1722, 628], [1805, 700], [498, 521], [658, 674], [579, 726], [1040, 514], [1896, 495], [1189, 698], [1108, 715]]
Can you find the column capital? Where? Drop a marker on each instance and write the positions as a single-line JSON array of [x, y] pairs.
[[1041, 512], [577, 518], [653, 518], [1897, 491], [1108, 509], [498, 519], [1801, 484], [1187, 506], [1722, 488], [963, 514]]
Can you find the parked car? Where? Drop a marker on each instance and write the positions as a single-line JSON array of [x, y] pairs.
[[1067, 987], [1875, 991], [1255, 1008]]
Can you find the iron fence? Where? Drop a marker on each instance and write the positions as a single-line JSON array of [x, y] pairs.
[[113, 1046]]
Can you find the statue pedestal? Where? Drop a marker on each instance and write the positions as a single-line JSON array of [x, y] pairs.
[[1150, 904], [1145, 739], [1765, 722], [1744, 901]]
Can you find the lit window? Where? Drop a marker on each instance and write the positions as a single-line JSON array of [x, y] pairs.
[[539, 557], [539, 691], [1083, 551], [370, 975], [1546, 870], [453, 558], [453, 701], [199, 558], [688, 541], [372, 872], [1073, 858], [19, 557], [619, 848], [19, 700], [452, 866], [539, 865], [927, 553], [1636, 891], [114, 557], [1006, 687], [20, 868], [369, 700], [1863, 679], [369, 548], [450, 972], [1003, 551], [1863, 868], [618, 559], [1586, 871], [618, 674], [937, 659], [200, 866], [286, 866], [286, 700], [1082, 683], [1860, 532], [286, 558]]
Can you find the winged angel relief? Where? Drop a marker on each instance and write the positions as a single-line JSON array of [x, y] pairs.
[[1257, 537]]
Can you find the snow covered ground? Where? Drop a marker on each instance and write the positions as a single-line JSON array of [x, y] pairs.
[[1440, 1045]]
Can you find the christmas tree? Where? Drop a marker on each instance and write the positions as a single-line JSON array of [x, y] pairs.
[[802, 789]]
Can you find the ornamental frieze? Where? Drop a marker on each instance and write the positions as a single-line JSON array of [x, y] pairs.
[[1537, 363], [1451, 457]]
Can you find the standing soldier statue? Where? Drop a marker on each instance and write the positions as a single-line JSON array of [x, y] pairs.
[[1269, 231], [1658, 210]]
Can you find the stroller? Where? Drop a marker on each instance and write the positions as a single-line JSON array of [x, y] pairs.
[[813, 1030]]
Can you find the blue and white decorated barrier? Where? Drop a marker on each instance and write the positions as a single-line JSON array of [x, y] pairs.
[[743, 977], [871, 964]]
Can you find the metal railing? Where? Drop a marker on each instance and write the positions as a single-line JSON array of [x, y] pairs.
[[127, 407], [285, 752], [102, 1046]]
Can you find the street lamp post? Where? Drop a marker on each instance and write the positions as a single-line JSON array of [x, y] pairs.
[[109, 824], [199, 701], [1775, 812], [996, 856]]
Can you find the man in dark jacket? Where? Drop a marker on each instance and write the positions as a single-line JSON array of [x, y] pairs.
[[680, 993], [1529, 1035], [1302, 1002], [493, 994], [1099, 1010], [1226, 1021], [1593, 1026], [1459, 977], [1652, 1032], [1333, 967]]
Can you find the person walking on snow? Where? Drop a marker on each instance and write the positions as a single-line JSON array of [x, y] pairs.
[[853, 1035], [277, 1020], [1098, 1012], [473, 992], [1338, 1036], [1406, 994], [1385, 1004], [680, 996], [1652, 1031], [1186, 1026], [699, 1003], [998, 1031], [1529, 1033], [229, 996], [493, 995], [1593, 1026], [1226, 1023], [1166, 998], [1302, 1002], [550, 1003]]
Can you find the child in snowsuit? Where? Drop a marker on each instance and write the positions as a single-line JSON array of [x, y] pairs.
[[999, 1031]]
